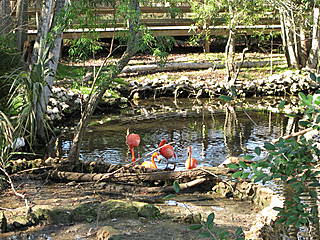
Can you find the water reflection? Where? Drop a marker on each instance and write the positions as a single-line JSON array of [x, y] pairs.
[[213, 136]]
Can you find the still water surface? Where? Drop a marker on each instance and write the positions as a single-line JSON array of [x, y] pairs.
[[213, 136]]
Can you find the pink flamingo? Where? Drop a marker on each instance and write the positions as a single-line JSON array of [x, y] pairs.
[[152, 164], [190, 162], [133, 140], [167, 150]]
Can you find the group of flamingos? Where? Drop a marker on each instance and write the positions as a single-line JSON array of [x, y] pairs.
[[166, 150]]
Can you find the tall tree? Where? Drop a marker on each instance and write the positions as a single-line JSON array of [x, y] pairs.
[[300, 31], [22, 23], [6, 23], [313, 59], [133, 17], [47, 53]]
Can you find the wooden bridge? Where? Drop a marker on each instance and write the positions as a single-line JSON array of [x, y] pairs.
[[161, 22]]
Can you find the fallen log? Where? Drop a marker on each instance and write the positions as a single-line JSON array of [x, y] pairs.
[[38, 165], [183, 186], [174, 66], [122, 188], [181, 176]]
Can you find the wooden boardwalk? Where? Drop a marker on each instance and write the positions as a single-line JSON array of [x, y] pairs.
[[174, 31], [160, 22]]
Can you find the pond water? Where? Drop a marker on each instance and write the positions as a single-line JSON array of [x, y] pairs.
[[213, 132]]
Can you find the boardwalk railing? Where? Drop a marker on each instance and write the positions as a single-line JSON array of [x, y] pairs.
[[159, 20]]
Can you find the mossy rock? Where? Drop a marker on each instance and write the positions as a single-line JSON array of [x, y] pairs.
[[147, 210], [23, 220], [89, 211], [85, 212], [128, 209], [117, 209], [59, 216]]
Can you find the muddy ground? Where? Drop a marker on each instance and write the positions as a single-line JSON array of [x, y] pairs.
[[173, 223]]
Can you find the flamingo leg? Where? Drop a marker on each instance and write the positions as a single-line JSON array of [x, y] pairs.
[[132, 153]]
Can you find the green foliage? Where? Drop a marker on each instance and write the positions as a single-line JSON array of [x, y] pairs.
[[223, 12], [9, 60], [292, 161], [6, 136], [225, 98], [211, 231], [70, 72], [26, 98], [314, 77], [159, 46], [176, 187], [83, 48]]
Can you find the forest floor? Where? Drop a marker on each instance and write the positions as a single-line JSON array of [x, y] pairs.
[[230, 214]]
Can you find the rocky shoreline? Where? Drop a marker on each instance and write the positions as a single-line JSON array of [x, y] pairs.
[[66, 102]]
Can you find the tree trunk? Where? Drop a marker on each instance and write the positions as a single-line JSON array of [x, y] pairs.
[[305, 43], [22, 23], [284, 40], [132, 47], [47, 53], [290, 40], [315, 44], [229, 52], [5, 17], [40, 46], [296, 38]]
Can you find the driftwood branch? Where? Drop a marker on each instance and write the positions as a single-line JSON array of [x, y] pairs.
[[295, 134], [22, 196], [136, 189], [183, 186]]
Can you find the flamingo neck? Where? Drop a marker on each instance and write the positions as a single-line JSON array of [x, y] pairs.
[[189, 159], [153, 162], [163, 142], [188, 165]]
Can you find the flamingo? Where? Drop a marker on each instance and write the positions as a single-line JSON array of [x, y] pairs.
[[133, 140], [191, 162], [152, 164], [167, 150]]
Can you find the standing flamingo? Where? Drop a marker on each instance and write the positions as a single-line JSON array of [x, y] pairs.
[[152, 164], [167, 150], [133, 140], [191, 162]]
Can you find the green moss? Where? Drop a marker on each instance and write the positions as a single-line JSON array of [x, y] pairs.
[[59, 216], [149, 211], [89, 212], [70, 72], [118, 209], [85, 212], [21, 219], [85, 90]]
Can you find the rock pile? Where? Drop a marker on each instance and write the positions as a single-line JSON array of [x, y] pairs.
[[287, 83], [65, 101], [62, 102]]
